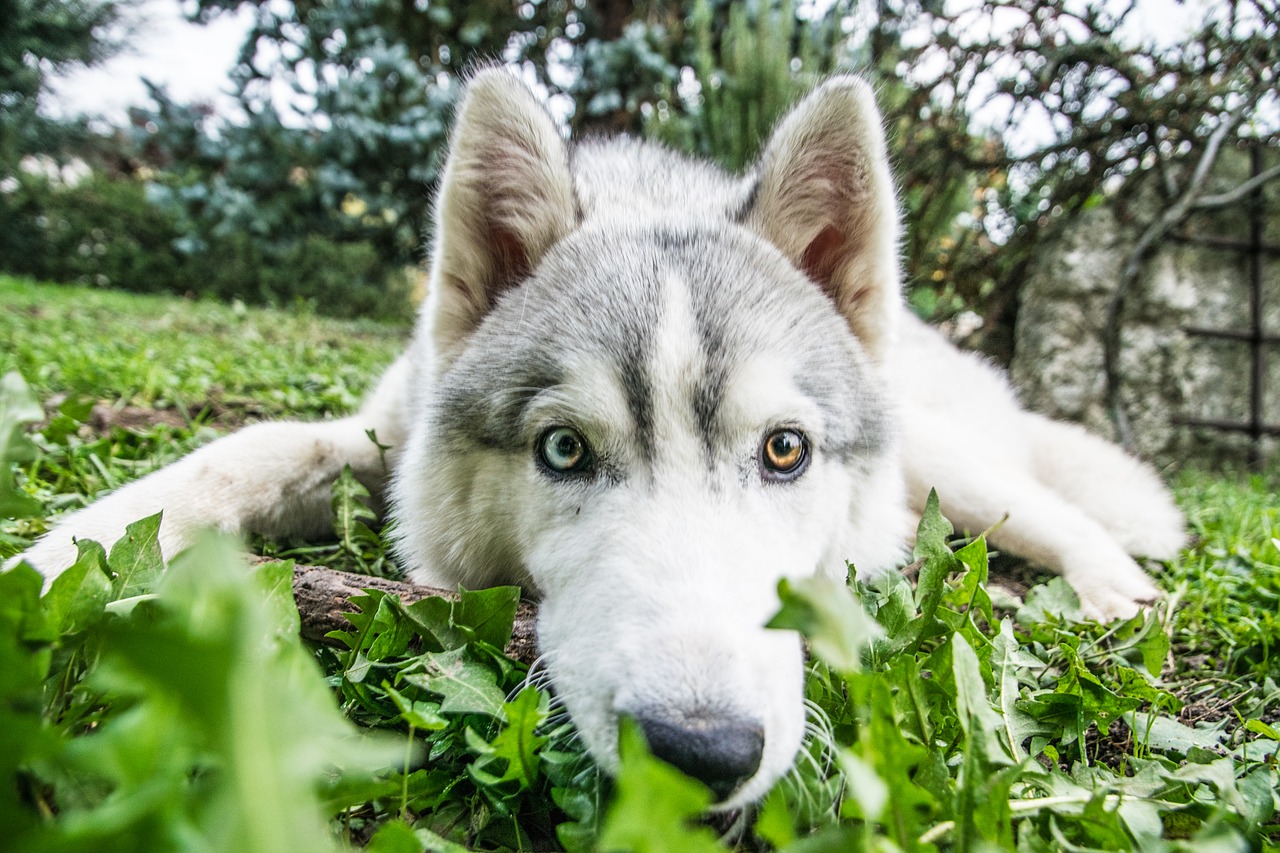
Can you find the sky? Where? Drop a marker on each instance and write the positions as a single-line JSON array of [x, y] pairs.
[[193, 60]]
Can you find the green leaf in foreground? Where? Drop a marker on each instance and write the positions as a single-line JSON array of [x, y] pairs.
[[76, 597], [18, 406], [654, 804], [230, 733], [828, 612], [24, 663]]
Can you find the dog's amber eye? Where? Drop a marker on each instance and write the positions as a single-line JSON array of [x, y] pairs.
[[564, 450], [784, 454]]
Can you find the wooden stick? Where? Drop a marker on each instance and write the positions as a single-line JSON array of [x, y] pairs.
[[323, 595]]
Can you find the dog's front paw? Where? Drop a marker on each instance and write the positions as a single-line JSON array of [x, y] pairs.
[[1116, 590]]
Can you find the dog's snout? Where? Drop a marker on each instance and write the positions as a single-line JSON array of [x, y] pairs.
[[720, 753]]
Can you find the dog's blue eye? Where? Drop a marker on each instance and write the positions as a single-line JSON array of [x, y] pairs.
[[564, 450], [784, 454]]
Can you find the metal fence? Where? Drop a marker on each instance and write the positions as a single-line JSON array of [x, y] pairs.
[[1257, 250]]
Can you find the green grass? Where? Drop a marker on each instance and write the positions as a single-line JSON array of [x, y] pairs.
[[164, 352], [203, 366], [143, 709]]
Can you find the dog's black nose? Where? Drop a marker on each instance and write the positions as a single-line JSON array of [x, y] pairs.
[[720, 753]]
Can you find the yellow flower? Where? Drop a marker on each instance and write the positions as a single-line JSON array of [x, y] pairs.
[[353, 207]]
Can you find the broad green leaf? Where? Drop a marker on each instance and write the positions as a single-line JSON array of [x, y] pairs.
[[829, 614], [1168, 735], [389, 632], [135, 558], [486, 615], [773, 821], [579, 833], [394, 837], [1260, 793], [866, 788], [215, 683], [933, 531], [77, 597], [981, 724], [1016, 725], [275, 580], [398, 837], [971, 592], [1260, 728], [466, 684], [351, 513], [1052, 601], [1061, 713], [896, 611], [24, 664], [936, 563], [886, 767], [1100, 702], [1154, 644]]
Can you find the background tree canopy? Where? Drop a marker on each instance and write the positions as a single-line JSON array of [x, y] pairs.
[[1005, 116]]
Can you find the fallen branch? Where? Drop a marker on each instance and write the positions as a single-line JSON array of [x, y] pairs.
[[323, 595]]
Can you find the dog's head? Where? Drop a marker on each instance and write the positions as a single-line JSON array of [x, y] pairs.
[[650, 391]]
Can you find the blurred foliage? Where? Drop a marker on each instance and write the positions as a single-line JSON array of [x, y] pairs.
[[1004, 116], [39, 38], [110, 232]]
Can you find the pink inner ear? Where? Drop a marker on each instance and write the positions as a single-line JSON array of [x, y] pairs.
[[510, 261], [822, 257]]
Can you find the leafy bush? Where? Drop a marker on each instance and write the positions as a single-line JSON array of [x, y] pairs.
[[102, 232], [108, 232]]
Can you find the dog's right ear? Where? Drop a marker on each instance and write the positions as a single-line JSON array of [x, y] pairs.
[[506, 197]]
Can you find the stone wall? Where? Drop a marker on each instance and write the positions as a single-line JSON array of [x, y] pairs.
[[1166, 373]]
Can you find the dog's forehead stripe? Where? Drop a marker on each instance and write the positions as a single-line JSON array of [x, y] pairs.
[[639, 393], [710, 387]]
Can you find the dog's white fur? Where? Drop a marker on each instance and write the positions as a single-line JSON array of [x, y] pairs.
[[657, 579]]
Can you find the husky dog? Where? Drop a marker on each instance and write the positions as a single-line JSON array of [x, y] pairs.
[[645, 390]]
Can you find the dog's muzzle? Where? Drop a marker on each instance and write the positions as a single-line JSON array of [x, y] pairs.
[[722, 753]]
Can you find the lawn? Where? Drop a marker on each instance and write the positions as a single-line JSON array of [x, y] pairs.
[[179, 710]]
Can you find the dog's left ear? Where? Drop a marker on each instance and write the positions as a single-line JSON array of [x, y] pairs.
[[824, 196], [506, 197]]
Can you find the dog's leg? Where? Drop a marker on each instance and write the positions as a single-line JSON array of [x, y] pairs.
[[1121, 493], [1041, 526], [269, 478]]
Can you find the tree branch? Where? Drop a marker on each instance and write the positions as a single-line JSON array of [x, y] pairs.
[[323, 595], [1238, 194]]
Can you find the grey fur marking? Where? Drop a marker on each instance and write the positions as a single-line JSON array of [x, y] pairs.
[[598, 296]]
